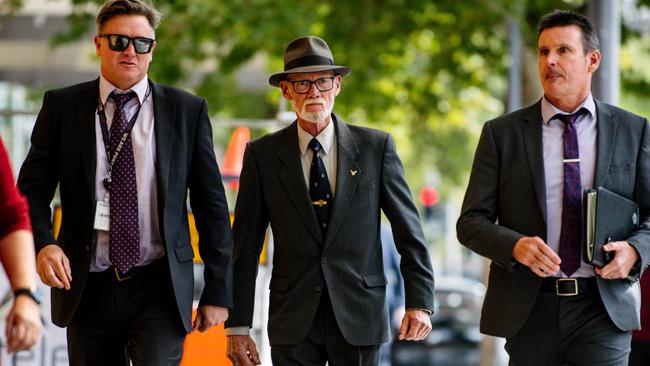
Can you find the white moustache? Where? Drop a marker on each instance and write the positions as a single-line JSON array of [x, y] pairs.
[[315, 101]]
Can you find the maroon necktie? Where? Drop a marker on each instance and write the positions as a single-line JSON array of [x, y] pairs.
[[124, 234], [572, 199]]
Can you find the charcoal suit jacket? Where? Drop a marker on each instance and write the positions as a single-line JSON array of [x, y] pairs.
[[63, 154], [506, 200], [347, 261]]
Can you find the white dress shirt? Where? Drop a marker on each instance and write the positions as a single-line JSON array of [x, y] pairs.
[[143, 140], [327, 139]]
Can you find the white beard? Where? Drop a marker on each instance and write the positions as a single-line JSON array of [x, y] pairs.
[[314, 117]]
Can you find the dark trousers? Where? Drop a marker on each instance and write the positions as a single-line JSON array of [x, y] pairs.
[[640, 355], [325, 343], [135, 320], [572, 330]]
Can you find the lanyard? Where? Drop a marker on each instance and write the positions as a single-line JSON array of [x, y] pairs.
[[105, 135]]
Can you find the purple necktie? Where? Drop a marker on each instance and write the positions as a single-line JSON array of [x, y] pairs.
[[319, 187], [124, 235], [572, 199]]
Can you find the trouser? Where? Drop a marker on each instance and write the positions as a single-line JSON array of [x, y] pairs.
[[133, 320], [325, 343], [569, 330]]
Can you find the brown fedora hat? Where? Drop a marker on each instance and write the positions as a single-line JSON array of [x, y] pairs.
[[307, 54]]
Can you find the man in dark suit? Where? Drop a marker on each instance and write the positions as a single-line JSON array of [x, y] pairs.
[[322, 184], [124, 151], [522, 210]]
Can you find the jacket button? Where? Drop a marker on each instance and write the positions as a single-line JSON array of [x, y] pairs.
[[317, 288], [324, 260], [88, 248]]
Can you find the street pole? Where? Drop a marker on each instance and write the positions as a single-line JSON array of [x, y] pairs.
[[606, 18]]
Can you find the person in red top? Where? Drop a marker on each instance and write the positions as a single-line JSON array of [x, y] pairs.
[[23, 323], [640, 354]]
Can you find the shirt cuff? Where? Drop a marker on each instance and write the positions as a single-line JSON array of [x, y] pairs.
[[238, 331], [425, 310]]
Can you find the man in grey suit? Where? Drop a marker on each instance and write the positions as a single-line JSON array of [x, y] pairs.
[[522, 211], [322, 184]]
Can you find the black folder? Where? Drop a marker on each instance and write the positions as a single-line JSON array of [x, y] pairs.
[[608, 216]]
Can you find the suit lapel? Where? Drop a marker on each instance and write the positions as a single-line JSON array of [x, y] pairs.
[[532, 133], [348, 175], [163, 109], [87, 101], [606, 134], [293, 180]]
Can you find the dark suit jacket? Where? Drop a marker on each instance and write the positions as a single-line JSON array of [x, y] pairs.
[[347, 262], [63, 153], [507, 186]]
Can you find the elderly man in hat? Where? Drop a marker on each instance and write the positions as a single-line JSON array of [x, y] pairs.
[[321, 184]]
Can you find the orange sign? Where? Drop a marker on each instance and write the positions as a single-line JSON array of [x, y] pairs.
[[208, 348]]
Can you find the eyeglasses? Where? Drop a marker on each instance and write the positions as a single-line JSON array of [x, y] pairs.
[[118, 42], [303, 86]]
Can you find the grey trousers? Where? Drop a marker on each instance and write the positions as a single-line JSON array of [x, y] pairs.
[[573, 330], [324, 343]]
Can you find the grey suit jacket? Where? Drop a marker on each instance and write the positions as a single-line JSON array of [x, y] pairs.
[[63, 154], [506, 200], [347, 262]]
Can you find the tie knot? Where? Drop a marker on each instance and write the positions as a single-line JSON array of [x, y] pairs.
[[315, 145], [121, 99], [570, 119]]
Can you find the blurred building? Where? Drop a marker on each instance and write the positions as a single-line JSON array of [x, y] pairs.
[[29, 62], [28, 57]]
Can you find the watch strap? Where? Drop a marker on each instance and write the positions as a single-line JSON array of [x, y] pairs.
[[28, 292]]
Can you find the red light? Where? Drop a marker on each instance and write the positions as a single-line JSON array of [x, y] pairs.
[[429, 196]]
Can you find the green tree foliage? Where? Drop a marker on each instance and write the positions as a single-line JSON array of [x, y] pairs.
[[431, 72], [9, 7]]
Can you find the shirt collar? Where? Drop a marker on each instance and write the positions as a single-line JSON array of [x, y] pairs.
[[106, 88], [325, 138], [549, 110]]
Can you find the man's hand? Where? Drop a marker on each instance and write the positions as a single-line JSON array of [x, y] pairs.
[[207, 316], [23, 325], [416, 325], [241, 351], [624, 258], [53, 267], [536, 255]]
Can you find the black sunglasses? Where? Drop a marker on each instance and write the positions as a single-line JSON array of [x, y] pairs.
[[118, 42]]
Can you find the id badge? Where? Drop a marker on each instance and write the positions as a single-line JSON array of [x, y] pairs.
[[102, 216]]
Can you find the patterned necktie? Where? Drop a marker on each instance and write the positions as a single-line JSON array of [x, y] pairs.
[[319, 187], [124, 235], [570, 234]]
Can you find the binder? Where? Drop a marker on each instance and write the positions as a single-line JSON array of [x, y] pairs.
[[607, 216]]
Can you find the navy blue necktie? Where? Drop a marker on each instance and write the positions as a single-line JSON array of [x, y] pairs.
[[319, 187], [570, 234], [124, 234]]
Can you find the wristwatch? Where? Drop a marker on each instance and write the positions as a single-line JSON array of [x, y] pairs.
[[31, 292]]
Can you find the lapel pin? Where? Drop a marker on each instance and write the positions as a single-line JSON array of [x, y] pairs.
[[353, 172]]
